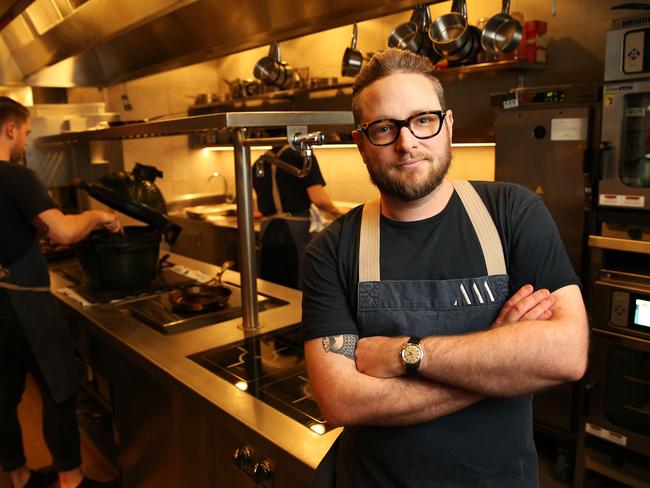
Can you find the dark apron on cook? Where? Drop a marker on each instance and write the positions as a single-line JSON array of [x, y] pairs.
[[46, 331], [284, 238], [488, 444]]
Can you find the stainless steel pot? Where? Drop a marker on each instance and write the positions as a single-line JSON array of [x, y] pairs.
[[271, 70], [114, 262], [414, 35], [469, 51], [352, 59], [502, 33], [449, 32]]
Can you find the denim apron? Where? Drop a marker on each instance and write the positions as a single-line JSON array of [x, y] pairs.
[[488, 444], [27, 283]]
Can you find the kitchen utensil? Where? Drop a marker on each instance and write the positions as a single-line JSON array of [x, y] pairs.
[[425, 43], [271, 70], [205, 296], [132, 208], [114, 262], [352, 59], [409, 36], [468, 53], [502, 33], [449, 32]]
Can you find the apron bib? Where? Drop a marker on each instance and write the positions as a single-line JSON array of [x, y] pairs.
[[488, 444], [27, 284]]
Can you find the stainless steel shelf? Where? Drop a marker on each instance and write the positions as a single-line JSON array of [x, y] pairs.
[[507, 65], [272, 95], [198, 123]]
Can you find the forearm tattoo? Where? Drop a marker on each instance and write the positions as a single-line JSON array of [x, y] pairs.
[[41, 227], [341, 344]]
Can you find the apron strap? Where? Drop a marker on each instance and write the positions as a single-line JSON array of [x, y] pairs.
[[369, 241], [4, 272], [277, 200], [484, 227], [488, 236]]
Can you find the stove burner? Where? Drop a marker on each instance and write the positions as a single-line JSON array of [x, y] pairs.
[[150, 304], [158, 312], [272, 368], [165, 280]]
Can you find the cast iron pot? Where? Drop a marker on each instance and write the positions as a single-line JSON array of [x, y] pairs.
[[115, 262]]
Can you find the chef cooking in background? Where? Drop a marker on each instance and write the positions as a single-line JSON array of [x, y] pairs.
[[34, 337], [285, 201]]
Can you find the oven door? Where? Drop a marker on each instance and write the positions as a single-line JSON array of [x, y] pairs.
[[625, 155], [617, 403]]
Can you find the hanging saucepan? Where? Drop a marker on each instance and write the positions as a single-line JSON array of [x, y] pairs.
[[467, 54], [449, 32], [408, 36], [271, 70], [502, 33], [352, 59], [211, 295]]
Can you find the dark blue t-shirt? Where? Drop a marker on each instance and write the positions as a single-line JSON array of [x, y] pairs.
[[22, 198]]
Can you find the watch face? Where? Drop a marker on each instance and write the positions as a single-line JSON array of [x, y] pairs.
[[411, 354]]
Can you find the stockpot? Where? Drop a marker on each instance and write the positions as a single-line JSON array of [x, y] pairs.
[[130, 260]]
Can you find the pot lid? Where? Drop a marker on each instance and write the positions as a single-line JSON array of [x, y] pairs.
[[132, 208]]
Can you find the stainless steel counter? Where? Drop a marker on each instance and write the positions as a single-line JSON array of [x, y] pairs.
[[168, 354]]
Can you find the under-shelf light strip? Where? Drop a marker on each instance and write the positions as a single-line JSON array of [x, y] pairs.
[[343, 146]]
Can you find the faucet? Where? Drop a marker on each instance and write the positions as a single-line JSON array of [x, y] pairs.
[[228, 197]]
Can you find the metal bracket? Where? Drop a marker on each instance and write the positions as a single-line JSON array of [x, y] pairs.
[[293, 131]]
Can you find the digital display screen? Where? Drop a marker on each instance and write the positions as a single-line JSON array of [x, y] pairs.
[[642, 312]]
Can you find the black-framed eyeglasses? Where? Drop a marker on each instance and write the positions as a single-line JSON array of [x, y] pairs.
[[424, 125]]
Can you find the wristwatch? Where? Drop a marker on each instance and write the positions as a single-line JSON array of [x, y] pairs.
[[412, 354]]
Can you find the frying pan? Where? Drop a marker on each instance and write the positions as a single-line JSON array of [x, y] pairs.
[[502, 33], [210, 295], [352, 59]]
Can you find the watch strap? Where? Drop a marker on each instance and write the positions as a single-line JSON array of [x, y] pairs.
[[412, 369]]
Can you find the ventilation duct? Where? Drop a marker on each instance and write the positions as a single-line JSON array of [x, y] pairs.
[[103, 42]]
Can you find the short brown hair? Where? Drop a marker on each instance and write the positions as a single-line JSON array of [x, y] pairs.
[[11, 110], [390, 61]]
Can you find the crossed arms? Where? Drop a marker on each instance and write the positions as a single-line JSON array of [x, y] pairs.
[[538, 340]]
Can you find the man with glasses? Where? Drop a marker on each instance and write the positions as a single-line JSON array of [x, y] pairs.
[[415, 339]]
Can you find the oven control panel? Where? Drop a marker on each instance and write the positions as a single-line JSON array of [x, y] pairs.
[[631, 310]]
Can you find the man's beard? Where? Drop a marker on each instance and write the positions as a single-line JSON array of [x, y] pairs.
[[401, 187]]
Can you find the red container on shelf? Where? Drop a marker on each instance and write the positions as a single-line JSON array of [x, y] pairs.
[[535, 41]]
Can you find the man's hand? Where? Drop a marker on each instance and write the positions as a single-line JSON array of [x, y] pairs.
[[380, 356], [110, 221], [526, 304]]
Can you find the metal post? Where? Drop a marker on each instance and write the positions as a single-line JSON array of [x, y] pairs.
[[250, 312]]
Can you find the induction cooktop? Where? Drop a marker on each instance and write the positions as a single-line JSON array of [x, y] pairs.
[[271, 367]]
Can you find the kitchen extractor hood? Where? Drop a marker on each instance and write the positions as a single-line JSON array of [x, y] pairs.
[[103, 42]]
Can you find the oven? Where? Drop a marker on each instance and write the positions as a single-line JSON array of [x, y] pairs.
[[615, 430], [625, 148]]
